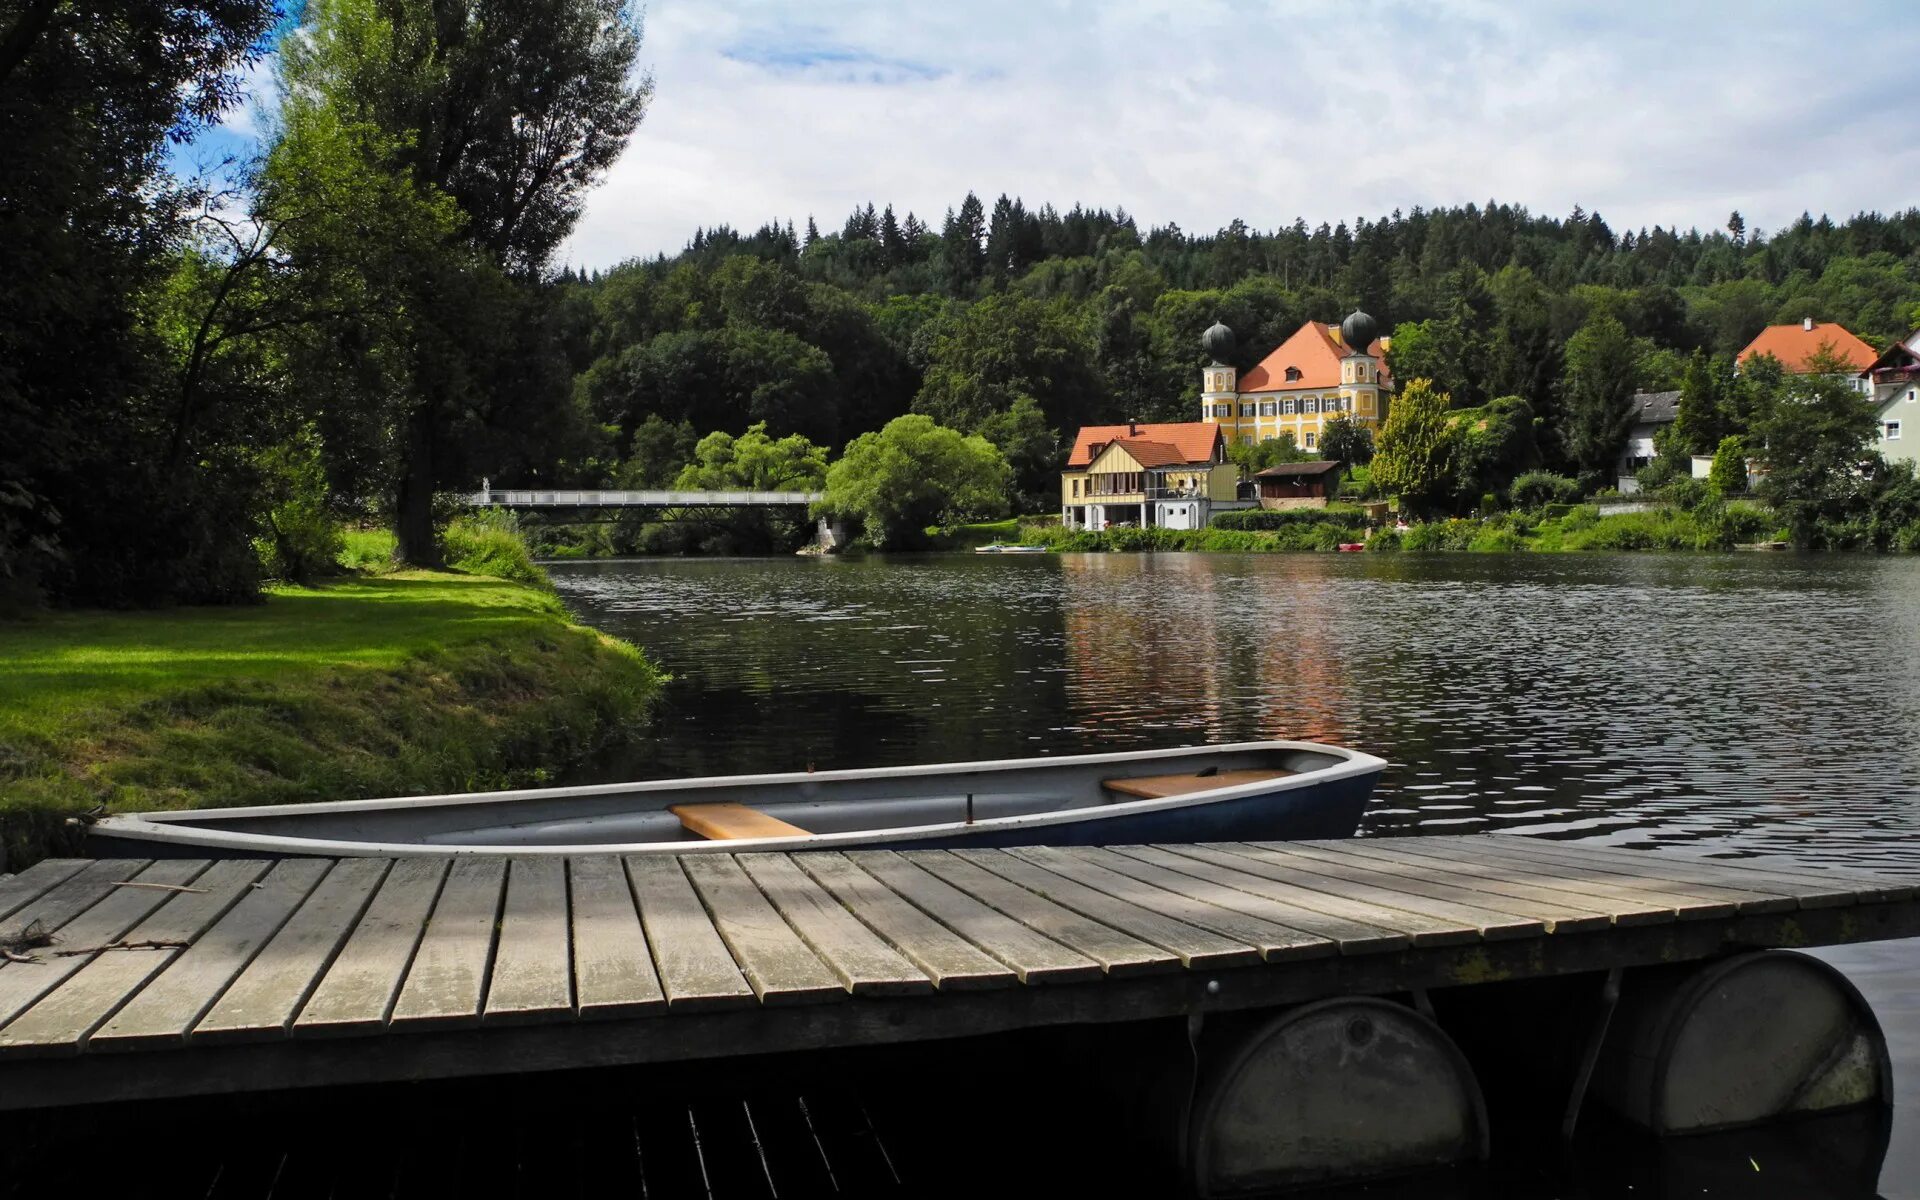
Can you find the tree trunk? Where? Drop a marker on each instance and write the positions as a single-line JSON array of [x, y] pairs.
[[414, 540]]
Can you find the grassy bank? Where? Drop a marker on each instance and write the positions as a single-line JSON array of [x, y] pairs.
[[414, 682], [1289, 539]]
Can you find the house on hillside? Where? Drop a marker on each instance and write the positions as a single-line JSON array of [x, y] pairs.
[[1175, 476], [1652, 412], [1321, 371], [1795, 346], [1297, 485], [1893, 386]]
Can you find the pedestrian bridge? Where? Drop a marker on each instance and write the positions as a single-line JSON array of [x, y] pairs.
[[489, 497]]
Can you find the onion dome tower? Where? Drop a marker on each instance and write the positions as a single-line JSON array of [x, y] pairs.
[[1360, 374], [1358, 331], [1218, 342], [1219, 382]]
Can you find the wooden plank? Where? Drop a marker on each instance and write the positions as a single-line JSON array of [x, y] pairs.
[[1034, 958], [781, 968], [720, 822], [952, 962], [1139, 884], [1159, 787], [170, 1004], [865, 964], [695, 967], [262, 1003], [21, 984], [62, 1020], [1119, 954], [1404, 892], [1771, 873], [1753, 891], [1196, 947], [357, 991], [613, 972], [19, 890], [1630, 905], [532, 969], [1216, 875], [1570, 913], [448, 979], [70, 897]]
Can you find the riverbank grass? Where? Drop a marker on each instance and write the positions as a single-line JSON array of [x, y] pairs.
[[410, 683]]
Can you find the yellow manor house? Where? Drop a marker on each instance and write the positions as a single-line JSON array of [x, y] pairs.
[[1321, 370]]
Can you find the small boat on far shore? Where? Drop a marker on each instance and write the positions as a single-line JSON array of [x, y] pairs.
[[1008, 548], [1352, 547], [1248, 791]]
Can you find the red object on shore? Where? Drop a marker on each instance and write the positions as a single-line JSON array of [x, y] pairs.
[[1352, 547]]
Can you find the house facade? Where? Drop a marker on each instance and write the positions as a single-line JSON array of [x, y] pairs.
[[1174, 476], [1892, 382], [1652, 412], [1321, 371], [1297, 485]]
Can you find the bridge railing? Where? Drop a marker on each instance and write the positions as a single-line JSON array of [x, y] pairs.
[[577, 498]]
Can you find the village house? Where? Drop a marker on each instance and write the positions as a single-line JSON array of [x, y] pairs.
[[1652, 412], [1321, 371], [1175, 476], [1795, 347], [1893, 387], [1297, 485]]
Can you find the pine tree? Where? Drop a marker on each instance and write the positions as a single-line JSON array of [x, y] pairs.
[[891, 242], [1597, 395], [1701, 419], [813, 232], [965, 235]]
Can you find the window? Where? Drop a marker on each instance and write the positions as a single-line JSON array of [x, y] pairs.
[[1910, 394], [1293, 373], [1268, 408], [1076, 489], [1286, 408], [1309, 441], [1246, 410], [1223, 410], [1310, 405], [1893, 431]]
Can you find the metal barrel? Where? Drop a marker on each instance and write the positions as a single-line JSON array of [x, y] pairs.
[[1740, 1041]]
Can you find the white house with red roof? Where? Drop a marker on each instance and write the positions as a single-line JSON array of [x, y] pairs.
[[1892, 381], [1321, 371], [1796, 346], [1174, 476]]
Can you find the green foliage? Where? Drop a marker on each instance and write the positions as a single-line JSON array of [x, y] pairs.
[[1597, 395], [1289, 539], [1346, 442], [300, 539], [912, 474], [1702, 418], [1455, 534], [1414, 457], [1728, 475], [1492, 444], [1282, 518], [1031, 449], [1536, 489], [489, 543], [982, 358], [1816, 435], [1251, 456]]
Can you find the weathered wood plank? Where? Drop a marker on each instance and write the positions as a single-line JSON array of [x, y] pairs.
[[21, 984], [164, 1009], [1629, 905], [71, 896], [263, 1001], [952, 962], [1216, 868], [357, 992], [1196, 947], [1752, 891], [532, 974], [1619, 869], [1119, 954], [62, 1020], [865, 964], [1408, 893], [1569, 912], [781, 968], [1034, 958], [613, 972], [19, 890], [1794, 877], [695, 967], [448, 979]]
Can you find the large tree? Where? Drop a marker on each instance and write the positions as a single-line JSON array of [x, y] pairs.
[[1815, 439], [512, 111], [1413, 457], [913, 474], [1596, 395]]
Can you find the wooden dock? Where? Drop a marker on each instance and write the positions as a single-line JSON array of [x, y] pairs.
[[182, 977]]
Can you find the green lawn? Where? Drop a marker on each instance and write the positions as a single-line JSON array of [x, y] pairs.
[[408, 683]]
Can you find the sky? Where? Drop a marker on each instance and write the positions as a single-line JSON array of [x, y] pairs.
[[1196, 112]]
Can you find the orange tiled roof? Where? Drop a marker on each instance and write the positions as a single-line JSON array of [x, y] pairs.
[[1793, 345], [1193, 441], [1314, 351], [1150, 454]]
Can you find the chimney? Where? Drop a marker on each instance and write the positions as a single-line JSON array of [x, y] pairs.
[[1806, 323], [1134, 430]]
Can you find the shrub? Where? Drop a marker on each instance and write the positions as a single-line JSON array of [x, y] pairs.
[[1536, 489], [1728, 475], [1684, 491], [1455, 534], [1497, 540], [1907, 539], [1282, 518], [489, 543], [1387, 541]]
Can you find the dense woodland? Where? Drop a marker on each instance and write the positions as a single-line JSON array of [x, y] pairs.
[[198, 381]]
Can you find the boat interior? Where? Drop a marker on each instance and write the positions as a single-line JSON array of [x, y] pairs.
[[786, 806]]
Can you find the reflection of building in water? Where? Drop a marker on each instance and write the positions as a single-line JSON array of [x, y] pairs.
[[1199, 643]]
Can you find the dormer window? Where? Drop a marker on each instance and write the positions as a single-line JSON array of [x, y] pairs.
[[1293, 374]]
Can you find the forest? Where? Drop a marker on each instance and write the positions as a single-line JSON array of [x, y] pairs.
[[203, 379]]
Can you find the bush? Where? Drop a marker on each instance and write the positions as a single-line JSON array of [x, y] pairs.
[[1282, 518], [489, 543], [299, 538], [1537, 489], [1684, 491], [1907, 539], [1728, 475], [1456, 534]]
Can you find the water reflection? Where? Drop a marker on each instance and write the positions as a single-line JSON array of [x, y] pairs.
[[1752, 704]]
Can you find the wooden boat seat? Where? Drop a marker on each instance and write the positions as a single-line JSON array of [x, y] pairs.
[[721, 822], [1158, 787]]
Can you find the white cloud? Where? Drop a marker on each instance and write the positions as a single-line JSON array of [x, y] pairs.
[[1199, 112]]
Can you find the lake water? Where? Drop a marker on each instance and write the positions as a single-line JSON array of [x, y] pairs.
[[1729, 705]]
